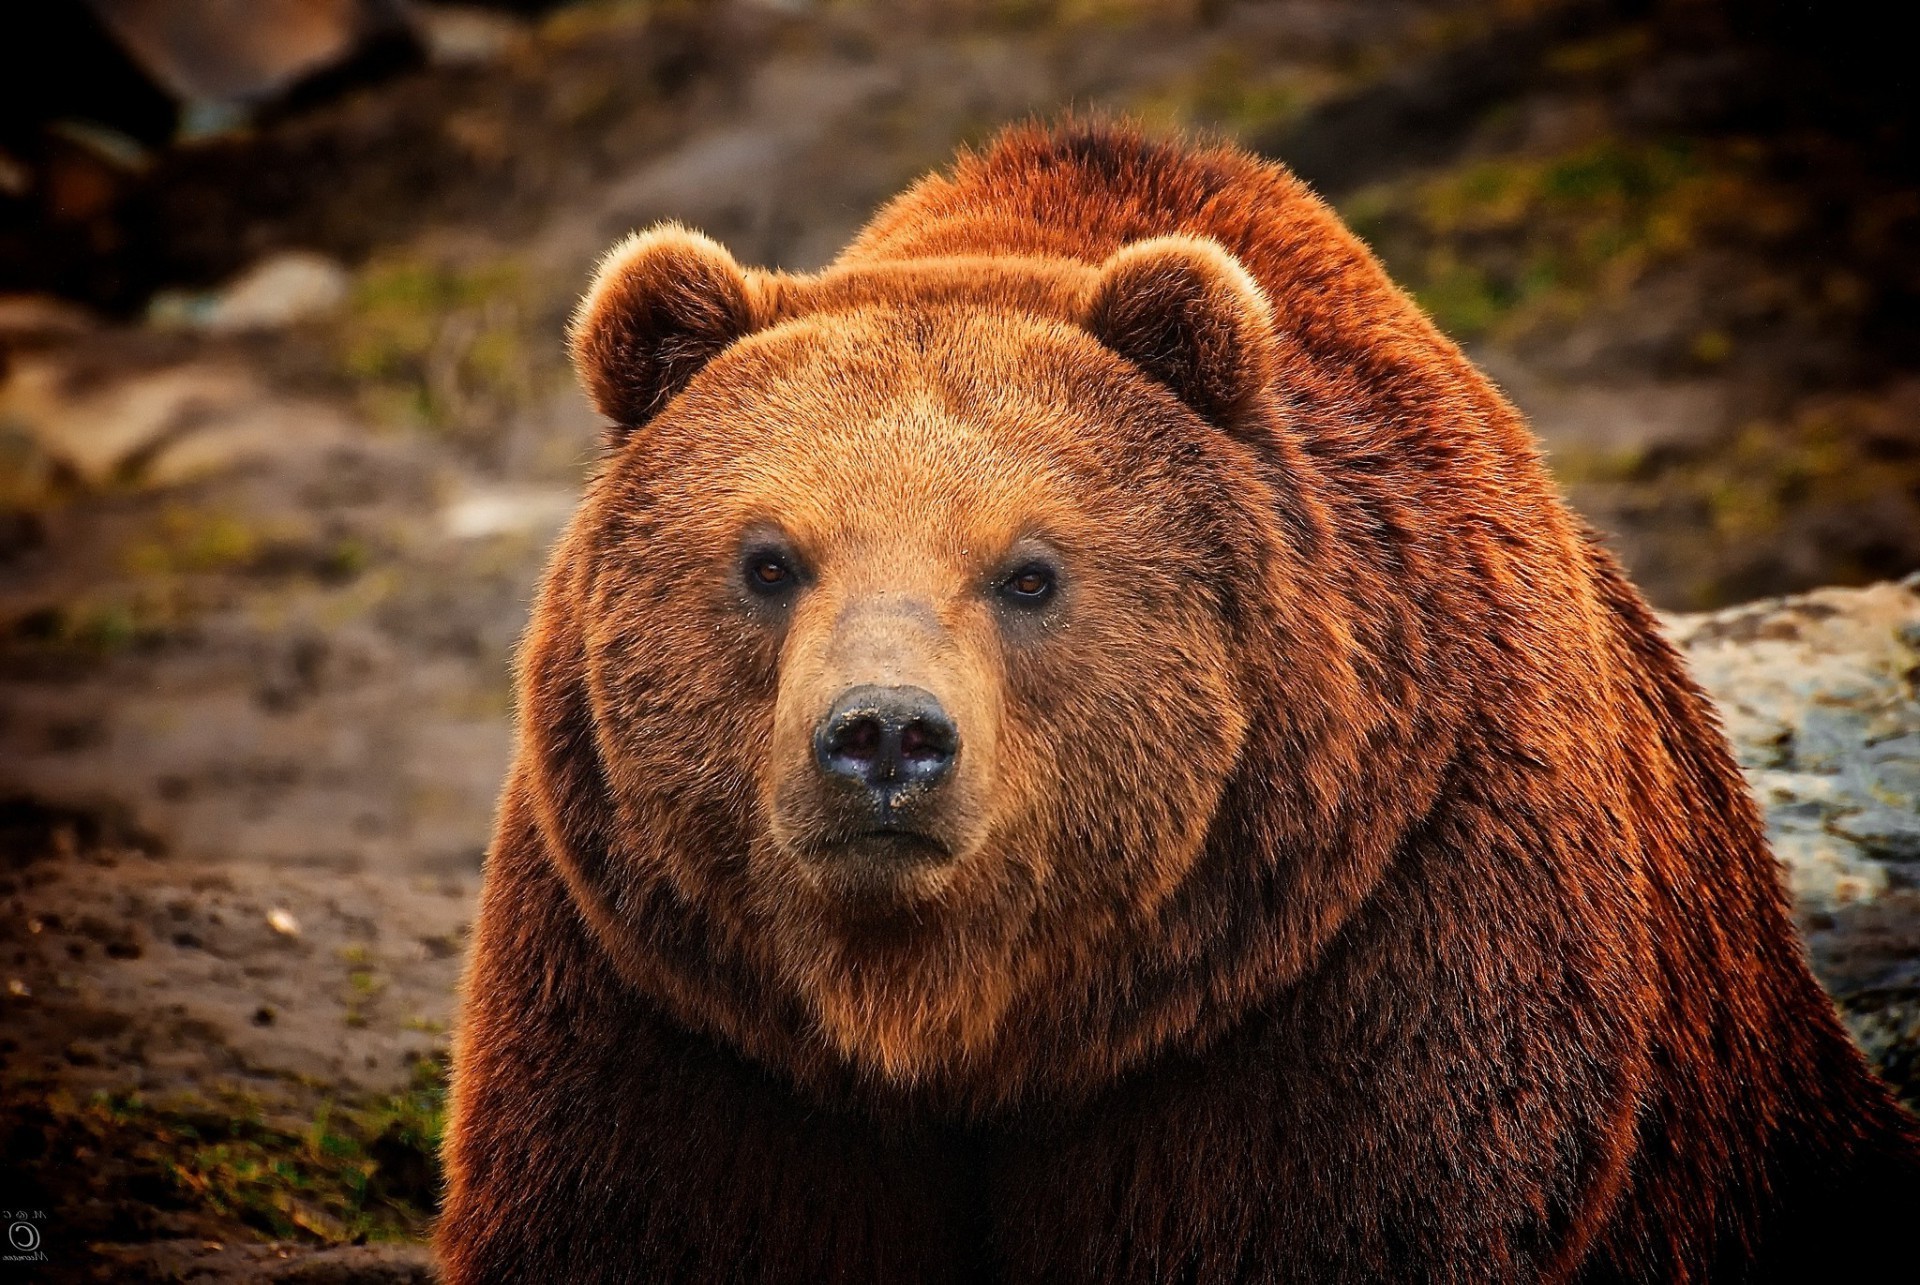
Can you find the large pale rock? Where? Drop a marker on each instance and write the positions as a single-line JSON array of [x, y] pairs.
[[159, 426], [281, 290], [1818, 696]]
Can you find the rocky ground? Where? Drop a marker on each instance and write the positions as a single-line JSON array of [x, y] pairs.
[[278, 469]]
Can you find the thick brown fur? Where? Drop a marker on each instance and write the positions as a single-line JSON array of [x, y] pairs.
[[1341, 879]]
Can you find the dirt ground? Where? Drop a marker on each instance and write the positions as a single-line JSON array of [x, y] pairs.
[[259, 586]]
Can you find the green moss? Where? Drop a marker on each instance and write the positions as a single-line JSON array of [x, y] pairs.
[[1577, 465], [447, 347], [186, 541], [1501, 245], [104, 627], [97, 625], [1232, 94], [1711, 347], [360, 1170], [1464, 298]]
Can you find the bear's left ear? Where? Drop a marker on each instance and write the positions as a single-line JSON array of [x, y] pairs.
[[663, 304], [1183, 310]]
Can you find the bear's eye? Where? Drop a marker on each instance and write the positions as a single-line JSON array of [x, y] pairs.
[[1029, 586], [768, 572]]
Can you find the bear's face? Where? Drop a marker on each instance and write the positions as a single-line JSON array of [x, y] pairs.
[[912, 638]]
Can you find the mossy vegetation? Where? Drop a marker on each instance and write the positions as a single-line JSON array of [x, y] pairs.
[[450, 348], [1503, 245], [1235, 94], [364, 984], [94, 625], [350, 1171], [1840, 470], [187, 540], [1708, 313]]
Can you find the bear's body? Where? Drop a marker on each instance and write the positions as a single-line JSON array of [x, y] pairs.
[[1325, 871]]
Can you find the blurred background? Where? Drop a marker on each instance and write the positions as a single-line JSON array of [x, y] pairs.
[[286, 426]]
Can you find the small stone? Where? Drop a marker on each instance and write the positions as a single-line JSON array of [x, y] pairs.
[[464, 35], [1780, 788], [1798, 814], [1826, 872], [1884, 832], [283, 922], [1898, 747], [1831, 735], [508, 511], [1759, 740], [1890, 773]]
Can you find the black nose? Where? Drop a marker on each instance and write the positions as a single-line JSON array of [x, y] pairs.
[[886, 739]]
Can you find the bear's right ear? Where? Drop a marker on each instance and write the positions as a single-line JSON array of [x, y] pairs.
[[663, 304]]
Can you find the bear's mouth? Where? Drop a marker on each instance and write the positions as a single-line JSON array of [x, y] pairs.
[[878, 867], [890, 841]]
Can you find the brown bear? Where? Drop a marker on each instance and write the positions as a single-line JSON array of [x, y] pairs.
[[1080, 744]]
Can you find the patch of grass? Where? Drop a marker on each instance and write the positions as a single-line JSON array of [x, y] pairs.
[[1233, 94], [364, 983], [367, 1170], [172, 567], [447, 348], [1500, 245], [1575, 464], [94, 626], [1832, 455], [187, 541]]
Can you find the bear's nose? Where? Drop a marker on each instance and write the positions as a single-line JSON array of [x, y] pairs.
[[887, 740]]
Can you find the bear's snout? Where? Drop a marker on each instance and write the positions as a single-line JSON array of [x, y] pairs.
[[883, 757], [886, 746], [885, 731]]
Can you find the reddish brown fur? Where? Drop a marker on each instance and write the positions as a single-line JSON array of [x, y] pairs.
[[1346, 880]]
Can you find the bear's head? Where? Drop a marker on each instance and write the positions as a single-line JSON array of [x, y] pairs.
[[891, 684]]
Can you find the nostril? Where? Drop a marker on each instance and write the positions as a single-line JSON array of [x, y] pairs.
[[925, 741], [856, 739]]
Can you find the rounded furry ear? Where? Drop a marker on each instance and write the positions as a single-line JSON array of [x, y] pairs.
[[663, 303], [1184, 311]]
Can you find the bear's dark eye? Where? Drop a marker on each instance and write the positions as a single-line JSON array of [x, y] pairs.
[[1029, 586], [768, 572]]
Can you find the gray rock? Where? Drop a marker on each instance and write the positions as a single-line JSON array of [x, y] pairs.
[[1886, 834], [1818, 695]]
